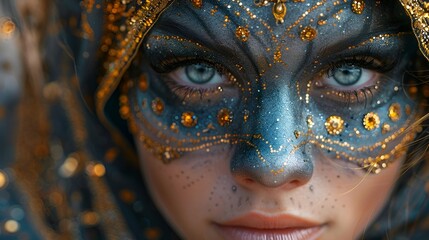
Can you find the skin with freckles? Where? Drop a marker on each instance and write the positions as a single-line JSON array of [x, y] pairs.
[[234, 113]]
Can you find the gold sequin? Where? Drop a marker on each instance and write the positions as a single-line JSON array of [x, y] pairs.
[[224, 117], [394, 112], [143, 83], [197, 3], [11, 226], [7, 27], [189, 119], [308, 34], [371, 121], [70, 166], [124, 110], [334, 125], [358, 6], [96, 170], [242, 33], [89, 218], [279, 11], [3, 179], [157, 106]]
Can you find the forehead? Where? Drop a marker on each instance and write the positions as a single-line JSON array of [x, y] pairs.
[[343, 17], [307, 27]]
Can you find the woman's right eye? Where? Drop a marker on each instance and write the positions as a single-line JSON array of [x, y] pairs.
[[200, 76], [200, 81]]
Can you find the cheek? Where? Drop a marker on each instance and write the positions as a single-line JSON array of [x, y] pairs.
[[186, 190], [351, 198]]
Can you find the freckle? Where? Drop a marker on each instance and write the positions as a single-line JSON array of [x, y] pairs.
[[299, 206], [338, 176], [210, 209], [311, 203], [344, 206], [187, 177], [291, 199], [332, 206], [323, 206], [335, 200], [182, 172], [216, 205], [326, 199], [276, 203]]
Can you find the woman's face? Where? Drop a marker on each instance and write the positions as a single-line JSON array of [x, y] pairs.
[[252, 129]]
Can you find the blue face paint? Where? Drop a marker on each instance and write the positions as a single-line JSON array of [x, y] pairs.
[[277, 95]]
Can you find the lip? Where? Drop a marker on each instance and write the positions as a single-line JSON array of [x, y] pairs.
[[256, 226]]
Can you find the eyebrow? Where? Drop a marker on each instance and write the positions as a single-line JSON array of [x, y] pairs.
[[170, 26], [360, 39]]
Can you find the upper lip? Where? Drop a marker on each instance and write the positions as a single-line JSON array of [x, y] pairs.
[[265, 222]]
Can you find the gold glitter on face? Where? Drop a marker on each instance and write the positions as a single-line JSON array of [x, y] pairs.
[[189, 119], [157, 106], [277, 56], [358, 6], [395, 112], [224, 117], [310, 122], [371, 121], [242, 33], [385, 128], [308, 34], [143, 83], [334, 125]]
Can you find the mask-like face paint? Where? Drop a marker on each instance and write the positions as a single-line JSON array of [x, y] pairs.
[[239, 95]]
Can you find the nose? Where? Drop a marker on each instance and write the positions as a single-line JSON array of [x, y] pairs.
[[280, 170], [279, 157]]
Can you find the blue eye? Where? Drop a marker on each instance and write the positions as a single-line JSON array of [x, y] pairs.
[[200, 73], [347, 75]]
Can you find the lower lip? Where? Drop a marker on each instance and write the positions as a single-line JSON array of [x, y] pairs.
[[242, 233]]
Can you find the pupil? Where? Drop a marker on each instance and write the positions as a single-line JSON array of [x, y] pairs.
[[200, 73], [347, 75]]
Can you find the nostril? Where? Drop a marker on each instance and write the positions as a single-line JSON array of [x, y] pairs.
[[249, 181], [295, 182]]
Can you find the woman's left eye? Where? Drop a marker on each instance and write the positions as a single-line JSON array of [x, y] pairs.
[[349, 77]]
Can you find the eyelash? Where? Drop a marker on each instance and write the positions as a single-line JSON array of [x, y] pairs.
[[181, 92], [364, 61], [369, 92]]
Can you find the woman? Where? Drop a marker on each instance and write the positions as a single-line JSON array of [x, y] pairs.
[[246, 120]]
